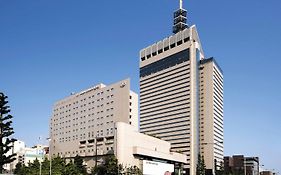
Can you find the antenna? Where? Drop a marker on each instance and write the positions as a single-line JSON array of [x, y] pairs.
[[180, 18], [181, 4]]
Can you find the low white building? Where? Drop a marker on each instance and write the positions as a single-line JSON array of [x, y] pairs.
[[150, 154], [25, 155], [29, 155]]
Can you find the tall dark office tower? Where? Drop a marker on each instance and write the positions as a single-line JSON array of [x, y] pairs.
[[175, 81]]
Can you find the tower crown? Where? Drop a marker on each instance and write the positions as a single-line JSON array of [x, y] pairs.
[[180, 19]]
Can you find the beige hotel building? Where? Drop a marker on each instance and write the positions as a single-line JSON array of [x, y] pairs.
[[181, 96], [83, 123]]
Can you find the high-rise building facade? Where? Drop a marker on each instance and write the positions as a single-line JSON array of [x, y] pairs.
[[83, 123], [172, 101], [211, 114]]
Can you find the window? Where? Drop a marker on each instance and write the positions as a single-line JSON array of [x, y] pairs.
[[165, 63], [179, 42]]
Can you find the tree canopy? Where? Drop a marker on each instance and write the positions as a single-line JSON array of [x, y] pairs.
[[109, 166], [6, 131], [201, 167]]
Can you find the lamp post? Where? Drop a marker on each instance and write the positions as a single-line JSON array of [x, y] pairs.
[[40, 152], [50, 157]]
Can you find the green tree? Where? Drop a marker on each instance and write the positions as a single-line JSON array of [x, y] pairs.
[[45, 167], [220, 169], [78, 162], [18, 169], [98, 170], [134, 170], [111, 164], [6, 131], [201, 167], [58, 165], [70, 169], [21, 169], [34, 167]]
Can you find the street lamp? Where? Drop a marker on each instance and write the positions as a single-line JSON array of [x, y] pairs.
[[50, 157]]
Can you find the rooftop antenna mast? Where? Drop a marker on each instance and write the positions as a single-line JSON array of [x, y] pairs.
[[181, 4], [180, 19]]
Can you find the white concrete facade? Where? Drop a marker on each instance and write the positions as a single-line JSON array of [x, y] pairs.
[[132, 147], [29, 155]]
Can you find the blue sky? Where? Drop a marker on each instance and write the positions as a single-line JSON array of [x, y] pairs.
[[49, 49]]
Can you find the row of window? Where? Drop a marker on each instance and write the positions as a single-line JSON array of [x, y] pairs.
[[56, 130], [84, 105], [161, 48], [165, 76], [99, 133], [92, 150], [175, 116], [82, 100], [165, 63], [81, 122]]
